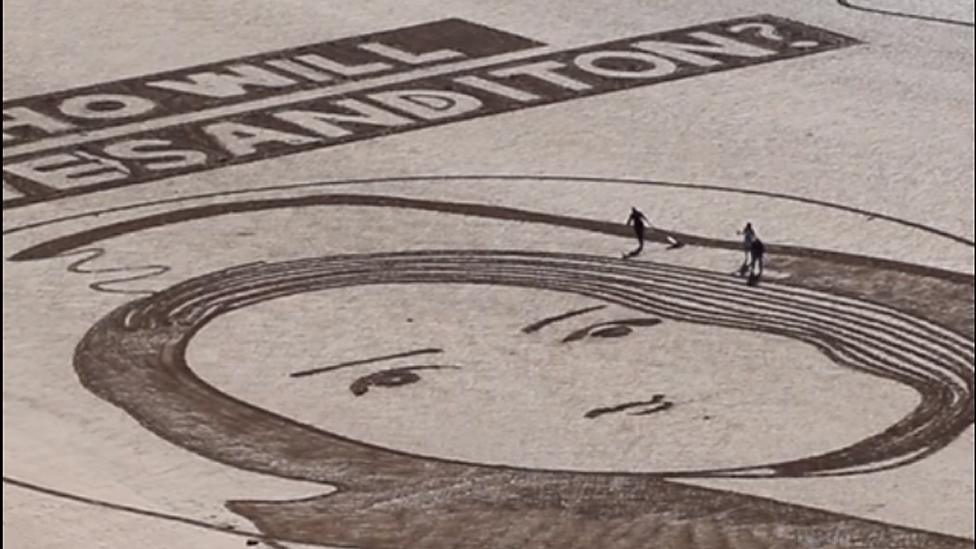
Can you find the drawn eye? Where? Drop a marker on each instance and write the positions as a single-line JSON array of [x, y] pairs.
[[612, 331], [616, 328], [394, 377]]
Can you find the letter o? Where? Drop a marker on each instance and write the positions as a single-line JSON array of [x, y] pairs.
[[659, 66], [105, 106]]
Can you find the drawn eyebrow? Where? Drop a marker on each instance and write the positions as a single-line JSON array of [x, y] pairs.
[[334, 367], [536, 326], [656, 404]]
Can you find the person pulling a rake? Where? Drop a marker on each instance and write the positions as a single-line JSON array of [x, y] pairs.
[[755, 250], [640, 223]]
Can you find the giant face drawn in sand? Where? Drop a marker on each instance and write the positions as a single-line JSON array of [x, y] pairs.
[[135, 357], [633, 367]]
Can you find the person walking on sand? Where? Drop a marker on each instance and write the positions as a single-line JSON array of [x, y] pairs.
[[756, 252], [748, 237], [640, 223]]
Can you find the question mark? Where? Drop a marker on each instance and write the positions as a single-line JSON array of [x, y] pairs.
[[764, 30]]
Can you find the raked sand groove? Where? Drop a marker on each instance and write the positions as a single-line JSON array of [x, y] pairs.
[[138, 511], [60, 245], [463, 178], [857, 5]]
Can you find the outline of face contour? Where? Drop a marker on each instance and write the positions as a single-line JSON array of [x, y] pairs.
[[480, 272]]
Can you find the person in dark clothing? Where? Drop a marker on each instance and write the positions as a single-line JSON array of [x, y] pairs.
[[748, 237], [756, 252], [640, 223]]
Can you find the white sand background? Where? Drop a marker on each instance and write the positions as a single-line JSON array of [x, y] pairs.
[[886, 126]]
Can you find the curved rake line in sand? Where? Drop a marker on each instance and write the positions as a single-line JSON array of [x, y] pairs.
[[511, 178], [92, 236], [140, 272], [734, 294], [848, 4], [187, 290], [935, 362], [148, 513]]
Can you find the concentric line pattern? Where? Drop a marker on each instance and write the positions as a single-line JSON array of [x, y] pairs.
[[934, 361]]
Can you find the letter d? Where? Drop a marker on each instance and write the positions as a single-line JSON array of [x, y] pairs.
[[428, 104]]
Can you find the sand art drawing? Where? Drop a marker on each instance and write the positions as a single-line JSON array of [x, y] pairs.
[[370, 283], [139, 349]]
